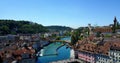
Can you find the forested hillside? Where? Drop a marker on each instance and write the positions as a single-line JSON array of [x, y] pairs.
[[24, 27], [58, 28]]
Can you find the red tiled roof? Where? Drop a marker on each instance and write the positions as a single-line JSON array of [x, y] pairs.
[[115, 45], [103, 49], [18, 52], [94, 48], [88, 47], [21, 51], [103, 29]]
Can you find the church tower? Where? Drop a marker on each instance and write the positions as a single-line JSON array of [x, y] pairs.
[[115, 25], [115, 21], [90, 29]]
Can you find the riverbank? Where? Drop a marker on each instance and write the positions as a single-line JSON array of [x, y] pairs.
[[54, 52], [46, 52]]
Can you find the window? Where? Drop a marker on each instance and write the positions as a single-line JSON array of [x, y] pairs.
[[103, 59], [106, 60], [112, 53], [116, 57], [98, 58]]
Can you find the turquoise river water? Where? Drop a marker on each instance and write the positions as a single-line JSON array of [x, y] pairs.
[[55, 52]]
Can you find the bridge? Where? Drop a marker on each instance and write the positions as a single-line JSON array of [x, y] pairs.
[[64, 41]]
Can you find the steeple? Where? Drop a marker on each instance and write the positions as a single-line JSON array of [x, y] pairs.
[[115, 20], [114, 25]]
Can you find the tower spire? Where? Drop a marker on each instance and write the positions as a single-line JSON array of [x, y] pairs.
[[115, 20], [115, 24]]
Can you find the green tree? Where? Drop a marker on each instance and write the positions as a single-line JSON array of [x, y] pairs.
[[25, 27], [98, 34], [4, 30], [75, 36]]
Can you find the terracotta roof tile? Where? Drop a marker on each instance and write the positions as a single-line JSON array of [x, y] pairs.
[[93, 48], [103, 29]]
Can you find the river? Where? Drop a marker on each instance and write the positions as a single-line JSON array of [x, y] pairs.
[[55, 52]]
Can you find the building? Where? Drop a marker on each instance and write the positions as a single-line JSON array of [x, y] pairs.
[[118, 31], [86, 57], [94, 53], [102, 58], [86, 52], [114, 52], [103, 30], [26, 37], [8, 38]]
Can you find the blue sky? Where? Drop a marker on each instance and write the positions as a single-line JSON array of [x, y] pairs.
[[73, 13]]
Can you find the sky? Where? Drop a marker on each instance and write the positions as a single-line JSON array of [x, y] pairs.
[[72, 13]]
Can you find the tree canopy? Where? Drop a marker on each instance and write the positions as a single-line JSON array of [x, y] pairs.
[[23, 27], [58, 28]]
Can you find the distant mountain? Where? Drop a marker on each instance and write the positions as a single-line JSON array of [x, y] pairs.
[[58, 28], [24, 27]]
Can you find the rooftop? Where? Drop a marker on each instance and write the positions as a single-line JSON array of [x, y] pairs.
[[111, 43]]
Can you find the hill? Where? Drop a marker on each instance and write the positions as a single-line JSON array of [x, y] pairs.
[[58, 28], [24, 27]]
